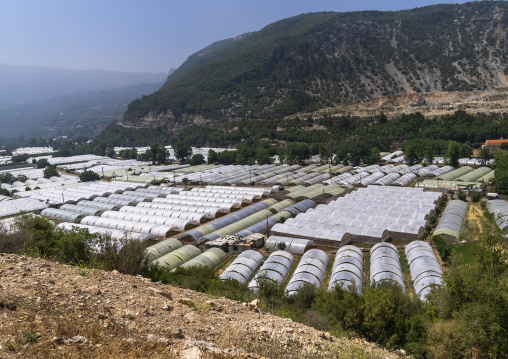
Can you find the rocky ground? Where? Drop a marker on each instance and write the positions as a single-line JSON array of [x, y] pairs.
[[51, 310], [436, 104]]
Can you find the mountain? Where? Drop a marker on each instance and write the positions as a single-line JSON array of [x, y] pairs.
[[32, 84], [319, 60], [84, 112]]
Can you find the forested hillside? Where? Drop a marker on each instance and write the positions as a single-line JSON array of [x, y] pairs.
[[319, 60]]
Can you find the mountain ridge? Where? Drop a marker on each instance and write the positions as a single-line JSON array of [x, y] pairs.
[[318, 60]]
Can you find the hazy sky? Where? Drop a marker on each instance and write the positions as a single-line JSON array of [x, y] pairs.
[[144, 35]]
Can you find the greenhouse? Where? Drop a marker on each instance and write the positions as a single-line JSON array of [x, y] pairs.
[[120, 236], [291, 245], [405, 180], [474, 175], [213, 212], [197, 233], [260, 227], [392, 155], [386, 180], [130, 226], [457, 173], [385, 265], [177, 224], [347, 269], [176, 258], [210, 258], [426, 272], [224, 206], [84, 210], [275, 268], [499, 209], [12, 207], [198, 217], [452, 219], [162, 248], [68, 216], [114, 201], [372, 178], [426, 170], [243, 267], [311, 269]]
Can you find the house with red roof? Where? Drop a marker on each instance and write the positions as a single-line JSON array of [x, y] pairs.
[[494, 144]]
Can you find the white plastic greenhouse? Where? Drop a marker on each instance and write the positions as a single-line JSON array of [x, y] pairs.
[[426, 272], [385, 265], [243, 267], [452, 219], [291, 245], [275, 268], [311, 269], [347, 269]]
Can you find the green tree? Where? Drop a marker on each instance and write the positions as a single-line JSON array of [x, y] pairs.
[[182, 151], [42, 163], [88, 176], [429, 155], [197, 159], [485, 155], [262, 157], [50, 171], [453, 154], [410, 155], [212, 156]]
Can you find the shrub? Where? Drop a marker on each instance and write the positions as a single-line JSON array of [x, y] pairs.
[[88, 176], [476, 196], [443, 247], [462, 195]]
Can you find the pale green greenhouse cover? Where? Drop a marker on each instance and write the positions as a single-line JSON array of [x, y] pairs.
[[452, 175], [162, 248], [177, 257], [210, 258]]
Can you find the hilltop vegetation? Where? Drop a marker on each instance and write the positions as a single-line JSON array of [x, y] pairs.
[[318, 60]]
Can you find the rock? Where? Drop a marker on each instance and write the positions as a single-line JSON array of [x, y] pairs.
[[186, 301], [167, 307], [192, 353], [254, 303], [78, 339], [102, 316], [289, 330], [324, 335], [167, 295], [152, 338], [115, 272]]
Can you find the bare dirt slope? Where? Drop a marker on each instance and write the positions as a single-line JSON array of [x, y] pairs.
[[436, 104], [51, 310]]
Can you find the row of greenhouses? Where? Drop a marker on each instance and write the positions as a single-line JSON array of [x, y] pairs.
[[15, 206], [373, 214], [499, 209], [461, 177]]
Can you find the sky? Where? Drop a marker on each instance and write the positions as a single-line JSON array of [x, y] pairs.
[[144, 35]]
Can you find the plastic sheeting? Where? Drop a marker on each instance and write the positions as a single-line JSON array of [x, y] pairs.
[[452, 219], [243, 267], [177, 257], [426, 272], [292, 245], [385, 265], [275, 268], [311, 269], [347, 269], [162, 248]]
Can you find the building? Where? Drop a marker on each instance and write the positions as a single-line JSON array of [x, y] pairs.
[[494, 144]]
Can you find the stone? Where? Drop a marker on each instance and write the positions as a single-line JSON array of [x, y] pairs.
[[167, 307], [78, 339], [254, 303], [192, 353]]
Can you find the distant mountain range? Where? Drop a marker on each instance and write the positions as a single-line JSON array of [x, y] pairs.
[[319, 60], [37, 101]]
